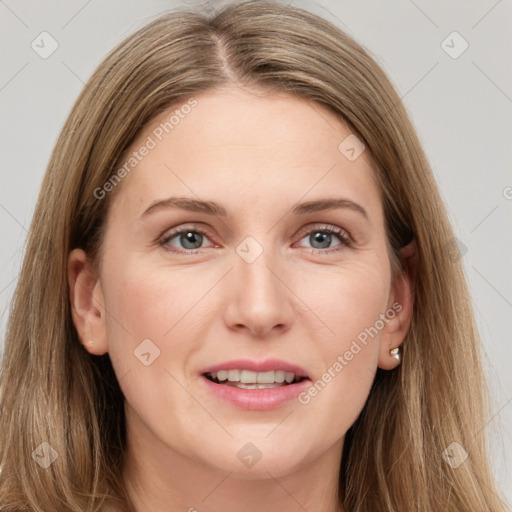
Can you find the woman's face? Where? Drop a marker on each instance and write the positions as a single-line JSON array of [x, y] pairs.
[[262, 277]]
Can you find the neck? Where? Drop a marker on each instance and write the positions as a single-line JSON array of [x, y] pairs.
[[159, 478]]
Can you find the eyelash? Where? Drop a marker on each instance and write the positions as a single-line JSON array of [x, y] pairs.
[[325, 228]]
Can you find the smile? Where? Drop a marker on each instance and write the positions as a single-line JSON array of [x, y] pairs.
[[263, 386], [247, 379]]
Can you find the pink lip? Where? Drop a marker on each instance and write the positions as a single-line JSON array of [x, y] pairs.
[[257, 399], [257, 366]]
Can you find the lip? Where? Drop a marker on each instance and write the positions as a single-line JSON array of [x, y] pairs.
[[257, 366], [256, 399]]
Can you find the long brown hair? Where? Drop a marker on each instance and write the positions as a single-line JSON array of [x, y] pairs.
[[52, 391]]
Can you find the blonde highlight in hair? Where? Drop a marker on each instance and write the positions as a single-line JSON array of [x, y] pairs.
[[52, 390]]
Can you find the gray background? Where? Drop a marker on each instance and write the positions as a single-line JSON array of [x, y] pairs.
[[461, 107]]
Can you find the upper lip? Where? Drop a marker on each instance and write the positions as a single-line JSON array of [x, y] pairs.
[[257, 366]]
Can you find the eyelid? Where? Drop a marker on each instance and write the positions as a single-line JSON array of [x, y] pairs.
[[346, 241], [331, 228], [191, 226], [345, 238]]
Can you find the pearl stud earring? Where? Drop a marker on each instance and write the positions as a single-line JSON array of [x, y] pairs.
[[395, 352]]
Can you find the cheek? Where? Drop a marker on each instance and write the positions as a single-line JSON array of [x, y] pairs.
[[352, 306], [150, 337], [153, 302], [144, 304], [349, 300]]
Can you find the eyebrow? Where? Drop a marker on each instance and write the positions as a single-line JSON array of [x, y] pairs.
[[212, 208]]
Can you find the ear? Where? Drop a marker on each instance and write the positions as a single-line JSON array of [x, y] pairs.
[[87, 303], [401, 302]]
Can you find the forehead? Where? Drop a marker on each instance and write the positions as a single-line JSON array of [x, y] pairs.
[[235, 144]]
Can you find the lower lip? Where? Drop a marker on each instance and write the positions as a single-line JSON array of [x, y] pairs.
[[257, 399]]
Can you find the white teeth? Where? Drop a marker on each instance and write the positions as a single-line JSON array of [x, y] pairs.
[[266, 377], [250, 377], [247, 377], [234, 375], [254, 386], [280, 376]]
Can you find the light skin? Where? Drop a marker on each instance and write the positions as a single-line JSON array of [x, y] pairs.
[[304, 300]]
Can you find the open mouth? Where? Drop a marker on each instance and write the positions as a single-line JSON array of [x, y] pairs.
[[245, 379], [255, 390]]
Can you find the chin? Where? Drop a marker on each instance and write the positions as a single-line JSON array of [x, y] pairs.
[[249, 460]]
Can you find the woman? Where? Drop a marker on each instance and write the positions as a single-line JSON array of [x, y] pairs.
[[179, 341]]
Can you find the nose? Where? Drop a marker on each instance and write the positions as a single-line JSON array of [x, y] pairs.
[[260, 300]]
